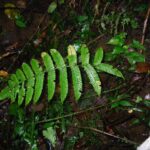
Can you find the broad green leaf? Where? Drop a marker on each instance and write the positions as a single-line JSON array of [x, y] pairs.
[[115, 105], [118, 40], [118, 50], [125, 103], [52, 7], [134, 57], [63, 78], [51, 77], [76, 74], [84, 55], [136, 44], [20, 21], [50, 134], [109, 69], [93, 77], [39, 79], [5, 93], [98, 56]]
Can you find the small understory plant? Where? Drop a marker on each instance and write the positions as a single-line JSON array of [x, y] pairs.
[[129, 52]]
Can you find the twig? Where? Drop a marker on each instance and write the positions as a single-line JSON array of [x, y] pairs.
[[76, 113], [6, 55], [145, 25], [94, 40], [108, 134]]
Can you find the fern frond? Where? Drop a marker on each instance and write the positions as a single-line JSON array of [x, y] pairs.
[[51, 77], [75, 71], [63, 79], [39, 79], [27, 83]]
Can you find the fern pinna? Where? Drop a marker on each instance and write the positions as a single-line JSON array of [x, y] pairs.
[[26, 84]]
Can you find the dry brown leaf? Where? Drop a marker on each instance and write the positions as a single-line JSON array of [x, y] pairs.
[[3, 73], [142, 67]]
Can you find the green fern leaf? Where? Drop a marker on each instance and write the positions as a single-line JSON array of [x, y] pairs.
[[30, 82], [98, 56], [5, 93], [76, 74], [93, 77], [63, 79], [109, 69], [51, 77], [27, 71], [84, 55], [39, 79], [21, 77]]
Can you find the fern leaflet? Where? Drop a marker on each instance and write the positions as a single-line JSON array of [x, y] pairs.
[[39, 79], [63, 79], [76, 74], [51, 77]]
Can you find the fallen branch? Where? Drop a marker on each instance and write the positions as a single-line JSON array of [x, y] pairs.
[[145, 25], [108, 134], [6, 55]]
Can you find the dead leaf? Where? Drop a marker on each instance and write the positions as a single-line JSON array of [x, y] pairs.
[[142, 67], [3, 73]]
